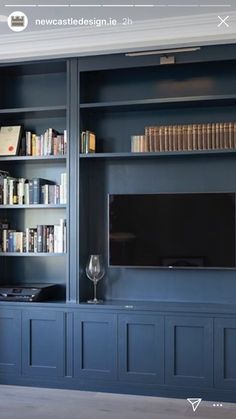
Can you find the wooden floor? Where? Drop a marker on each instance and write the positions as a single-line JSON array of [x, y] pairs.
[[34, 403]]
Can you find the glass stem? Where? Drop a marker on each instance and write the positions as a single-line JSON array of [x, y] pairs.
[[95, 290]]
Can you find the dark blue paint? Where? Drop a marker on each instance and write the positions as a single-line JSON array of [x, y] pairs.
[[43, 343], [141, 348], [95, 350], [225, 353], [10, 341], [189, 351]]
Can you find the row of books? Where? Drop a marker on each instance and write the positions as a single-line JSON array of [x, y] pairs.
[[41, 239], [186, 137], [19, 191], [51, 143], [87, 142]]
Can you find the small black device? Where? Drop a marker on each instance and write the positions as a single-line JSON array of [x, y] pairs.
[[28, 292]]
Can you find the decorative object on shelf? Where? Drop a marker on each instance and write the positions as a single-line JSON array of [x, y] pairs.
[[10, 140], [88, 142], [95, 271]]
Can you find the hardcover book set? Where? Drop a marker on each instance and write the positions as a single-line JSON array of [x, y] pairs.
[[189, 137]]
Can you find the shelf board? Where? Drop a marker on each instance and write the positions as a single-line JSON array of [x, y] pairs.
[[33, 206], [32, 158], [32, 111], [31, 254], [211, 100], [145, 155]]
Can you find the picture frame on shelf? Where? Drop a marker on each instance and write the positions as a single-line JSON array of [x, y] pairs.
[[10, 137]]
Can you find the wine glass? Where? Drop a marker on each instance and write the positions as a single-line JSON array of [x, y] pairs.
[[95, 271]]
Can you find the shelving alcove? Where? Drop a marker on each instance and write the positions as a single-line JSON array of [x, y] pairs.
[[118, 98], [34, 95]]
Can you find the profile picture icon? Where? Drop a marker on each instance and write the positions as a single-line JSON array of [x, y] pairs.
[[17, 21]]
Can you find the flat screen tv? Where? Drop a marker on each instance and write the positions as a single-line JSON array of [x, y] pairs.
[[181, 230]]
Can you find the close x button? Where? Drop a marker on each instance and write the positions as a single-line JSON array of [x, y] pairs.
[[223, 21]]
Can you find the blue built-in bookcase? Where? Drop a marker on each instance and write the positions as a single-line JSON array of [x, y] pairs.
[[164, 332]]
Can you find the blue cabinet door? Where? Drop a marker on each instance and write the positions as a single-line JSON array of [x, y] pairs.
[[10, 341], [141, 348], [225, 354], [95, 350], [189, 351], [43, 343]]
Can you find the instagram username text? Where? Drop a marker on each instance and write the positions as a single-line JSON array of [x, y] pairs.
[[83, 22]]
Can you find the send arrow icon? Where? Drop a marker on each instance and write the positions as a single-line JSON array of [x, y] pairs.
[[194, 403]]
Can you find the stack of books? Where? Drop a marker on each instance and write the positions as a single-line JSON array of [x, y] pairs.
[[87, 142], [51, 143], [189, 137], [20, 191], [139, 143], [41, 239]]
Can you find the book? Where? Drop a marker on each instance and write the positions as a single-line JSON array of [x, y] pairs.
[[221, 134], [204, 137], [37, 183], [33, 145], [213, 136], [234, 135], [31, 192], [8, 190], [21, 191], [51, 138], [18, 242], [4, 225], [90, 142], [65, 142], [185, 137], [175, 137], [162, 138], [39, 238], [87, 142], [231, 135], [50, 239], [179, 138], [26, 192], [22, 148], [209, 136], [166, 138], [226, 135], [28, 143]]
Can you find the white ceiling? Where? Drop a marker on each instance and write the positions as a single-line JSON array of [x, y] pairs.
[[165, 25]]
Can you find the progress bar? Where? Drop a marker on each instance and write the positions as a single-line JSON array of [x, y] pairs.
[[120, 5]]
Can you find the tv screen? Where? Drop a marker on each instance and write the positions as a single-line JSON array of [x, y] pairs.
[[182, 230]]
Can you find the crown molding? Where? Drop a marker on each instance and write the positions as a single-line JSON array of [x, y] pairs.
[[146, 34]]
